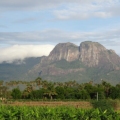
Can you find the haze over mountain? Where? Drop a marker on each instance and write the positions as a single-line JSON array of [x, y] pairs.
[[67, 61], [17, 69]]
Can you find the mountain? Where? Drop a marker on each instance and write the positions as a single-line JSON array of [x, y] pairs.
[[89, 61], [17, 69]]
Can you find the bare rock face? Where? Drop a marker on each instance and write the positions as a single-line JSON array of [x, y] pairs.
[[88, 61], [67, 51], [90, 53]]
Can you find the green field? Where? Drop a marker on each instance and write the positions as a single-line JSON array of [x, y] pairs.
[[55, 113]]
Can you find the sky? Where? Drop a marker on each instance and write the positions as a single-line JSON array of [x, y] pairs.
[[32, 28]]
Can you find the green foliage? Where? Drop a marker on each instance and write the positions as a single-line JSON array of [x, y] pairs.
[[36, 94], [115, 104], [42, 89], [61, 92], [103, 105], [115, 92], [16, 93], [55, 113], [82, 94]]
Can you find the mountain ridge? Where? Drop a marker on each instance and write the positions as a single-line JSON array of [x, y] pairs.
[[89, 55], [67, 61]]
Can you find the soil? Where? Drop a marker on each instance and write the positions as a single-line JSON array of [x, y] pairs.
[[81, 104]]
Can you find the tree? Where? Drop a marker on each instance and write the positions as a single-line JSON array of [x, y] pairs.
[[16, 93], [50, 90], [50, 94], [107, 87], [114, 92], [38, 81], [60, 91], [37, 94]]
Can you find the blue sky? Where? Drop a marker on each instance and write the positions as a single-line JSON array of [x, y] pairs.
[[32, 28]]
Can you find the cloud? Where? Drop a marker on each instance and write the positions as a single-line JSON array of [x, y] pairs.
[[65, 9], [40, 4], [20, 47], [99, 9], [26, 20], [28, 4], [109, 39], [21, 52], [55, 36]]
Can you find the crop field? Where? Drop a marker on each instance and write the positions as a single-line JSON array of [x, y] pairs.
[[55, 113], [56, 110]]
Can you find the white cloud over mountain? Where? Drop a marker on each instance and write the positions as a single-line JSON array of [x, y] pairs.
[[21, 52]]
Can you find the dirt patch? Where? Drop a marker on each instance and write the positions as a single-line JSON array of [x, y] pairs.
[[81, 104]]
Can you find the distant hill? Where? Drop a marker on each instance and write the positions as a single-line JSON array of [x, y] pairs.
[[90, 61], [18, 69]]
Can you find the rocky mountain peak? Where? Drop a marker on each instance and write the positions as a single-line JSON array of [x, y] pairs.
[[67, 51], [89, 52], [88, 61], [90, 44]]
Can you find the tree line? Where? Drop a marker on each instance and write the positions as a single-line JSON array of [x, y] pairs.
[[42, 89]]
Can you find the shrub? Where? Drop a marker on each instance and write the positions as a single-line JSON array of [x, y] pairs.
[[103, 105]]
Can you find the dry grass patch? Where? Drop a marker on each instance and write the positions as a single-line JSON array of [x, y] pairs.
[[81, 104]]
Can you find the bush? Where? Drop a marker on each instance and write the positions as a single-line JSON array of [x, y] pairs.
[[103, 105], [115, 104]]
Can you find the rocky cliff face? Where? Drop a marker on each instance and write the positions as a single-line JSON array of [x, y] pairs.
[[94, 54], [67, 51], [88, 61], [90, 53]]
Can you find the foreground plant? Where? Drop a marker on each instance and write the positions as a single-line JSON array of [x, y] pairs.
[[55, 113]]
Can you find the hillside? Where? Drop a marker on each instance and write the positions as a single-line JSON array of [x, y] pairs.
[[67, 61], [18, 69], [89, 61]]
